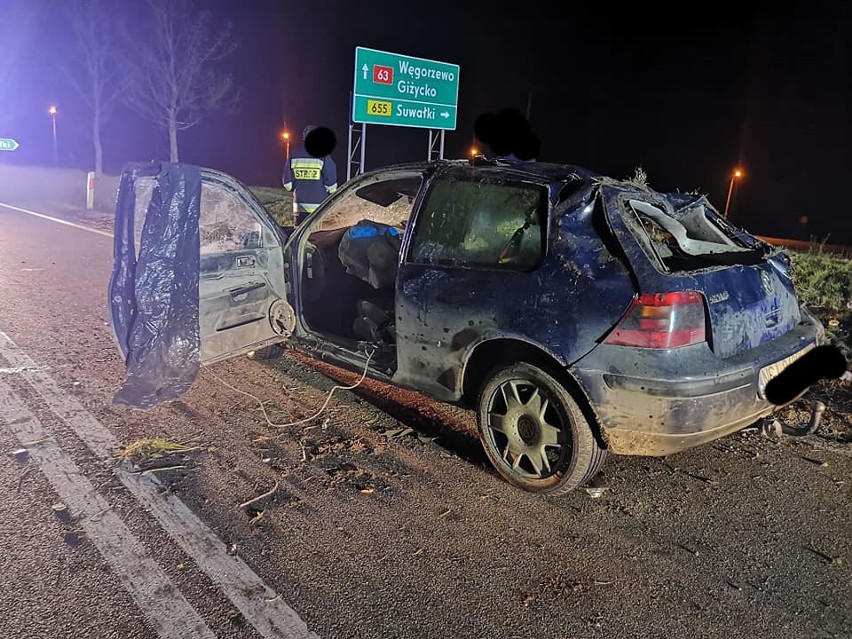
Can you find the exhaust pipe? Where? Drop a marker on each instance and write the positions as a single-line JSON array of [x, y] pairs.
[[816, 416], [817, 410]]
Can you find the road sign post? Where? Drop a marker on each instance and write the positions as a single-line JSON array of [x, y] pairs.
[[400, 90], [8, 144]]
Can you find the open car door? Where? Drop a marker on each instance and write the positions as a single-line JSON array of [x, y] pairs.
[[198, 277]]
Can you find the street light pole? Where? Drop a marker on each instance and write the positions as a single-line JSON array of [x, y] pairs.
[[734, 176], [52, 112], [285, 135]]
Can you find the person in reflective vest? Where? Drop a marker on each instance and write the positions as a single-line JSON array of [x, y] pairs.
[[311, 179]]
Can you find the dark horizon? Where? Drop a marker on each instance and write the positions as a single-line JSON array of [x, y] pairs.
[[610, 90]]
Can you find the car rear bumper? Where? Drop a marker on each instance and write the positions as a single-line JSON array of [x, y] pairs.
[[650, 403], [622, 441]]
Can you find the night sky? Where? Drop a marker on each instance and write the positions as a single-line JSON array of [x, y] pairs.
[[688, 93]]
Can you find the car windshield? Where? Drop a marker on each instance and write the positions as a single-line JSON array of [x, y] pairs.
[[386, 201]]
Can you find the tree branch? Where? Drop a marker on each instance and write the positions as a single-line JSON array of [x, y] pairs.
[[175, 65]]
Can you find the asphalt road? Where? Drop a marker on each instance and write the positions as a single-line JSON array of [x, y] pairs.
[[385, 519]]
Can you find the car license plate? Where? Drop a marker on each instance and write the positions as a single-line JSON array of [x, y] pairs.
[[771, 371]]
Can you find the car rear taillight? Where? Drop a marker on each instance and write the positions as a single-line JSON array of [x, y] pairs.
[[662, 320]]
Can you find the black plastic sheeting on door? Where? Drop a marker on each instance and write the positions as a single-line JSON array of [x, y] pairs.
[[154, 300]]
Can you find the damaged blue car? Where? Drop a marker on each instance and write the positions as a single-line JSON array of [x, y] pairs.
[[578, 315]]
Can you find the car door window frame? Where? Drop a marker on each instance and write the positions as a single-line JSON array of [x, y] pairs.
[[441, 177], [244, 196], [239, 216]]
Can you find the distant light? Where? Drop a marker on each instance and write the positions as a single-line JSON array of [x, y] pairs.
[[803, 219], [285, 135], [52, 109], [737, 174], [474, 151]]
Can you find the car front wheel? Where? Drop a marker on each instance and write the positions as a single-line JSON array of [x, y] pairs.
[[535, 433]]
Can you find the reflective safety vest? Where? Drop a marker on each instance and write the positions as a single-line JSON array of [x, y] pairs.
[[311, 180]]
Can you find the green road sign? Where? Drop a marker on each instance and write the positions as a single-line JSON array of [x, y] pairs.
[[399, 90], [8, 144]]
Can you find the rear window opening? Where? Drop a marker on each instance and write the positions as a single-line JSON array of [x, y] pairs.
[[689, 239]]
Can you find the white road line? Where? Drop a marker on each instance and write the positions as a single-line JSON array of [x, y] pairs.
[[168, 612], [57, 220], [258, 603]]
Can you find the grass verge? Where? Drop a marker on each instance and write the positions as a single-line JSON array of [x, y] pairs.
[[277, 201], [824, 282]]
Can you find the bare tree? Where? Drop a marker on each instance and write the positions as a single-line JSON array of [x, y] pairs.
[[91, 70], [176, 68]]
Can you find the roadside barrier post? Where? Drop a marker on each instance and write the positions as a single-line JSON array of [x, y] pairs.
[[90, 190]]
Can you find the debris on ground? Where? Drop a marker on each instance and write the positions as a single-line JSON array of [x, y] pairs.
[[154, 448], [597, 486], [396, 433], [72, 539], [61, 512], [771, 429], [254, 500]]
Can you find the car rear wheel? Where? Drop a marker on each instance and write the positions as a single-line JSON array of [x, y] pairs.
[[535, 433]]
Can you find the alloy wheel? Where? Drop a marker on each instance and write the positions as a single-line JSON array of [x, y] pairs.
[[527, 429]]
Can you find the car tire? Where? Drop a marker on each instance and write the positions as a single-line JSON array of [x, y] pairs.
[[535, 433], [267, 352]]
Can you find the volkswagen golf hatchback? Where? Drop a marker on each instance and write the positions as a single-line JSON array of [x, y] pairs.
[[578, 315]]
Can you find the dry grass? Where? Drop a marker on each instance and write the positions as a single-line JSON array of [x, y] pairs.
[[276, 200], [154, 448], [824, 282]]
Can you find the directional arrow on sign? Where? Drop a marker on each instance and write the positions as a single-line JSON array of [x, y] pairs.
[[444, 114], [8, 144], [364, 69]]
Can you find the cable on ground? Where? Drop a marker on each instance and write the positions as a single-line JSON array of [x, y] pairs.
[[307, 419]]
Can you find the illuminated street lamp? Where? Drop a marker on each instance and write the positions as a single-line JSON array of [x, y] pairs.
[[285, 135], [52, 112], [474, 151], [736, 175]]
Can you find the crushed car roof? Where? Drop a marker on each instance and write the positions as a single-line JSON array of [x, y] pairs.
[[538, 170]]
